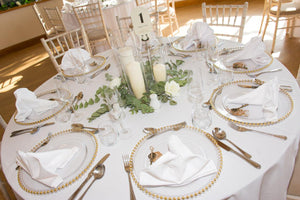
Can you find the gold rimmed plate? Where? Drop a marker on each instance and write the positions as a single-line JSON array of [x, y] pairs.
[[75, 168], [34, 118], [91, 65], [255, 115], [249, 65], [177, 45], [198, 141]]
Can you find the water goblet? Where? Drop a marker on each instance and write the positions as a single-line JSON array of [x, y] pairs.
[[107, 134]]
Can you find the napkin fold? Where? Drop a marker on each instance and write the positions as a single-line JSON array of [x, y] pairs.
[[27, 103], [265, 95], [74, 57], [41, 166], [253, 50], [178, 166], [199, 31]]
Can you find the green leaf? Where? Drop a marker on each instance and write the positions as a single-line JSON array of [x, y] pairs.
[[86, 104], [91, 101], [81, 105], [108, 77]]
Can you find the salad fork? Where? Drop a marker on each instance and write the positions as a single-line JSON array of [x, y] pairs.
[[127, 169]]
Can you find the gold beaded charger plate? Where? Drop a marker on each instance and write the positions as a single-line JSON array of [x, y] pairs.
[[244, 66], [34, 118], [75, 168], [177, 45], [198, 141], [91, 65], [252, 115]]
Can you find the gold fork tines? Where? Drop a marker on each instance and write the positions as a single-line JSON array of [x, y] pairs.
[[126, 163]]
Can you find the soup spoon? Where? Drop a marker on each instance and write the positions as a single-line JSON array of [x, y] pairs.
[[221, 135]]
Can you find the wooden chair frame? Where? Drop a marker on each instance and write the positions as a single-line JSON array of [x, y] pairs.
[[226, 16]]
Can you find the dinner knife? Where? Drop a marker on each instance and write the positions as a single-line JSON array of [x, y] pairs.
[[284, 87], [21, 131], [157, 131], [89, 176], [227, 148]]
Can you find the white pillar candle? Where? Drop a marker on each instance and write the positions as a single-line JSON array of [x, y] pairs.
[[159, 72], [136, 79], [126, 55]]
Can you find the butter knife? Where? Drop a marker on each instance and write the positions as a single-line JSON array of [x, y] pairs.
[[228, 148], [101, 70], [21, 131], [157, 131], [88, 177], [284, 87]]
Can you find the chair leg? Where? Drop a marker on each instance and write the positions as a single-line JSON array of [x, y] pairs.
[[275, 33], [262, 21], [171, 25], [293, 27], [266, 25]]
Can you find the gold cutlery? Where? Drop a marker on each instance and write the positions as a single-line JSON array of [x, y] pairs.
[[243, 129], [220, 134], [32, 130], [284, 87], [98, 173], [101, 70], [179, 54], [89, 176], [78, 126], [156, 131], [126, 163], [226, 51], [77, 98], [255, 75], [227, 148]]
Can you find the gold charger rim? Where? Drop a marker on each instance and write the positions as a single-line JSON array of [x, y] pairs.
[[182, 50], [52, 190], [249, 71], [267, 123], [93, 70], [45, 118], [186, 196]]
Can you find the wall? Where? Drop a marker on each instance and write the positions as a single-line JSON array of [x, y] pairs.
[[22, 24]]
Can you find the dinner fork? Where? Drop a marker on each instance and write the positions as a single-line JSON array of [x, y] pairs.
[[127, 169], [256, 75]]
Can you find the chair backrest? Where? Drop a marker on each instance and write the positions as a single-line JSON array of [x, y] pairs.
[[226, 20], [46, 27], [90, 16], [58, 45], [55, 19], [283, 7], [3, 122]]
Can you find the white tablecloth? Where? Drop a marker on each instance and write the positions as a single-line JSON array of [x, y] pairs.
[[122, 9], [238, 179]]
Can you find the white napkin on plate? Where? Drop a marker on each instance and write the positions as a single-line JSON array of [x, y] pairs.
[[253, 50], [178, 166], [198, 31], [27, 102], [74, 57], [265, 95], [41, 166]]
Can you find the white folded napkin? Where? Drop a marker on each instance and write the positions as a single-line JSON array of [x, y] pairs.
[[41, 166], [178, 166], [265, 95], [253, 50], [27, 103], [74, 57], [198, 31]]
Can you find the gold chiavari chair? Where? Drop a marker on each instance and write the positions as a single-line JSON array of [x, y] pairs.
[[278, 11], [226, 20], [90, 16]]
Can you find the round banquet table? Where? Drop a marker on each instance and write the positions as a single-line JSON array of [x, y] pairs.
[[121, 9], [238, 179]]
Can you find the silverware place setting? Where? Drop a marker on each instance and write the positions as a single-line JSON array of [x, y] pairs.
[[260, 73], [126, 162], [97, 172]]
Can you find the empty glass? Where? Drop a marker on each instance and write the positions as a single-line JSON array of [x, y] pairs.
[[201, 117], [107, 135]]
